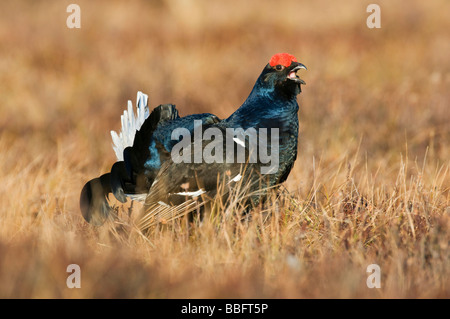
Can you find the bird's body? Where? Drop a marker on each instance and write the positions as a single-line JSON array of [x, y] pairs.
[[152, 170]]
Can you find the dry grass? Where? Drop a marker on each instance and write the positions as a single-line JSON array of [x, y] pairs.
[[371, 184]]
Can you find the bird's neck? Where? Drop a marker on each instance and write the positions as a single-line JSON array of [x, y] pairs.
[[265, 108]]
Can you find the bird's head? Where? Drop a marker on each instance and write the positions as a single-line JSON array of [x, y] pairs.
[[280, 74]]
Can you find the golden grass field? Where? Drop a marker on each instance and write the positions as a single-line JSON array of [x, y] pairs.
[[371, 184]]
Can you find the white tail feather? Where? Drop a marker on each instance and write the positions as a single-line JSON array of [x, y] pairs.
[[130, 124]]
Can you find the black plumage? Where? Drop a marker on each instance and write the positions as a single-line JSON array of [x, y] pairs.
[[173, 187]]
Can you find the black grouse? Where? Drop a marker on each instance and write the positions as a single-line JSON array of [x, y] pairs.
[[177, 164]]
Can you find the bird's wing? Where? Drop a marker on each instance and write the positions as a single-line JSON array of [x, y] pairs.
[[182, 188]]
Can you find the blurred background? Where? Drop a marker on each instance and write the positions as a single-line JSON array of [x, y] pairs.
[[204, 56], [382, 94]]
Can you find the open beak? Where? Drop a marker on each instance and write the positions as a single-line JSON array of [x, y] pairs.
[[293, 73]]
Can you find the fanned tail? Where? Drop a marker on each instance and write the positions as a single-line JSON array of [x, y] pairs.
[[93, 200], [126, 177], [130, 124]]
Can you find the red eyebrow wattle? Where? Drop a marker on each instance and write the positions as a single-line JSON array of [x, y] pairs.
[[284, 59]]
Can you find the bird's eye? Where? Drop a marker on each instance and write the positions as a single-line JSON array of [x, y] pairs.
[[279, 67]]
